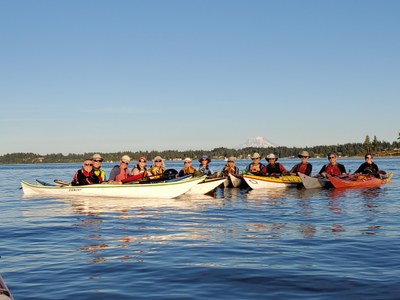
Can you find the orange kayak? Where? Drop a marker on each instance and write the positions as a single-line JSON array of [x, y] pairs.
[[361, 181]]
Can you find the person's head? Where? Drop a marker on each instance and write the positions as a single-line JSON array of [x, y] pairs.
[[187, 162], [158, 161], [125, 160], [97, 160], [304, 156], [256, 157], [271, 158], [142, 161], [332, 157], [231, 160], [204, 160], [368, 158], [87, 165]]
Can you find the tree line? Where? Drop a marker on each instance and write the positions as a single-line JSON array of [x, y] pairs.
[[378, 148]]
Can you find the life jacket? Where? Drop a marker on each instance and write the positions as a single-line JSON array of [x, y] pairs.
[[255, 168], [205, 170], [144, 170], [156, 171], [100, 173], [123, 174], [89, 178], [301, 168], [332, 169], [275, 168], [186, 171], [370, 169]]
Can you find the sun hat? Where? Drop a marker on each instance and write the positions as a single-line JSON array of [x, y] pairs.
[[304, 153], [204, 157], [187, 159], [97, 157], [125, 158], [231, 158], [271, 155], [255, 155]]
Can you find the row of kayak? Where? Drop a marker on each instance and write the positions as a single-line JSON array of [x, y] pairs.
[[267, 182], [197, 185]]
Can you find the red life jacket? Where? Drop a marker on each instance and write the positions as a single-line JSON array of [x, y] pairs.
[[123, 174], [302, 168], [332, 170]]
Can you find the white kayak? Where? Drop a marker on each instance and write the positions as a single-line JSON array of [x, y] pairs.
[[313, 182], [236, 180], [271, 182], [206, 186], [165, 190], [5, 293]]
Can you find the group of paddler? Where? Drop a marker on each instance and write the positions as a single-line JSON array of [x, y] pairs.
[[93, 173], [333, 168]]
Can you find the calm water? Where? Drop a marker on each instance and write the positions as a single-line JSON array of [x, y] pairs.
[[236, 244]]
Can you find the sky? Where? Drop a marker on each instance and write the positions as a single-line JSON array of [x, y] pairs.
[[107, 76]]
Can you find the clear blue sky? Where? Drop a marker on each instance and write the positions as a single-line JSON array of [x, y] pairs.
[[80, 76]]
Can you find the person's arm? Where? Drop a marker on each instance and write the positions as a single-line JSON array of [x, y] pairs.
[[309, 169], [282, 168], [360, 169], [113, 174], [293, 171], [322, 172], [342, 170]]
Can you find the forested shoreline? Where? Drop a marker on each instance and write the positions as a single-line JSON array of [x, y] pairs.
[[378, 148]]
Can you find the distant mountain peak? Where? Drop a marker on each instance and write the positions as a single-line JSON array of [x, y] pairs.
[[257, 142]]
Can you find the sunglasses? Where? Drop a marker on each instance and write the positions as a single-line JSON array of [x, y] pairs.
[[368, 157], [89, 165], [271, 158], [124, 162], [142, 161], [188, 162], [157, 161], [97, 160], [303, 156], [331, 157]]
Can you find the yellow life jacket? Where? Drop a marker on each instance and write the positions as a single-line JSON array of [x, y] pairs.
[[156, 171]]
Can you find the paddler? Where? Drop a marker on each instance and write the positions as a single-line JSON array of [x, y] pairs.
[[304, 166], [97, 169], [368, 167], [120, 172], [273, 168], [157, 169], [256, 166], [332, 168], [85, 175]]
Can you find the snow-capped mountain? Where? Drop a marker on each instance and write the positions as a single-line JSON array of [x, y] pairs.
[[258, 142]]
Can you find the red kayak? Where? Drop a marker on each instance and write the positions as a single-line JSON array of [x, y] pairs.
[[361, 181]]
